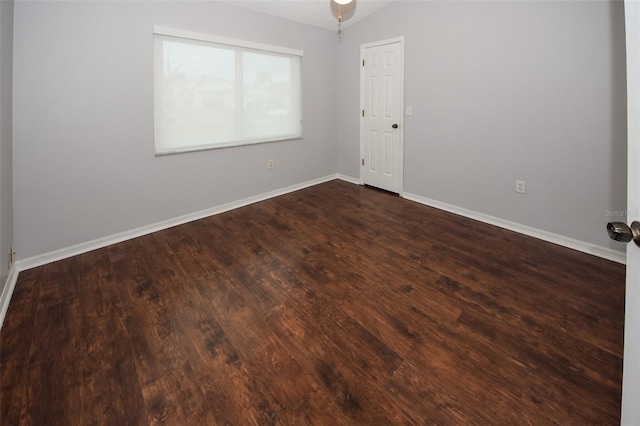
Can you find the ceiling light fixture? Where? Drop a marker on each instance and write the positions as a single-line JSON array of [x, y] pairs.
[[340, 3]]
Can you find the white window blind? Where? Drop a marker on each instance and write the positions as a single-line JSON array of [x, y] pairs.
[[212, 92]]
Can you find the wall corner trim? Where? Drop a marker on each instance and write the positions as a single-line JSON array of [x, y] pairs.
[[7, 292], [349, 179], [599, 251]]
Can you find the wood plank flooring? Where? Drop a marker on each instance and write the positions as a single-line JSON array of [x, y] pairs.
[[333, 305]]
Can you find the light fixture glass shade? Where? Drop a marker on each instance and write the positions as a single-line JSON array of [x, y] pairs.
[[343, 1]]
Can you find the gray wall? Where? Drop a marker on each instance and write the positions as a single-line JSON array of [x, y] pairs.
[[500, 91], [84, 164], [503, 91], [6, 194]]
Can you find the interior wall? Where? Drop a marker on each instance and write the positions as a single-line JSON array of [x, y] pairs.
[[6, 193], [502, 91], [83, 120]]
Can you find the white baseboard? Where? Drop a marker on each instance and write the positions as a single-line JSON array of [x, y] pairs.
[[53, 256], [604, 252], [7, 292], [349, 179]]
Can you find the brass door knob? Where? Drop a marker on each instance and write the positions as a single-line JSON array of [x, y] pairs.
[[619, 231]]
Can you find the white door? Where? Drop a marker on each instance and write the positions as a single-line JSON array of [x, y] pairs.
[[382, 103], [631, 363]]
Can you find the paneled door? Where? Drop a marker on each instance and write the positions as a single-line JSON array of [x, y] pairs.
[[382, 103]]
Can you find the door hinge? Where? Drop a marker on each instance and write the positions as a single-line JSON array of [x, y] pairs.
[[11, 256], [363, 62], [363, 113], [363, 161]]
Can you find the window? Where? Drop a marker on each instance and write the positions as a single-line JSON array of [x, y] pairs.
[[211, 92]]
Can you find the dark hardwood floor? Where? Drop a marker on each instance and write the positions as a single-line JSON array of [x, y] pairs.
[[337, 304]]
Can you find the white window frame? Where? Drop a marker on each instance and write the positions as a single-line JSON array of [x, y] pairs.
[[191, 35]]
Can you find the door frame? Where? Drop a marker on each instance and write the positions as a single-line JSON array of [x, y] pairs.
[[394, 40], [630, 411]]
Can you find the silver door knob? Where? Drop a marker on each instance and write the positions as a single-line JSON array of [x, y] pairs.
[[395, 126], [619, 231]]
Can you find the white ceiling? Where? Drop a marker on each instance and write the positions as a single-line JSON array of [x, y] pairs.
[[320, 13]]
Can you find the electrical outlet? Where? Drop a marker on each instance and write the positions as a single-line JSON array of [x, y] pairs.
[[520, 187], [270, 163]]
